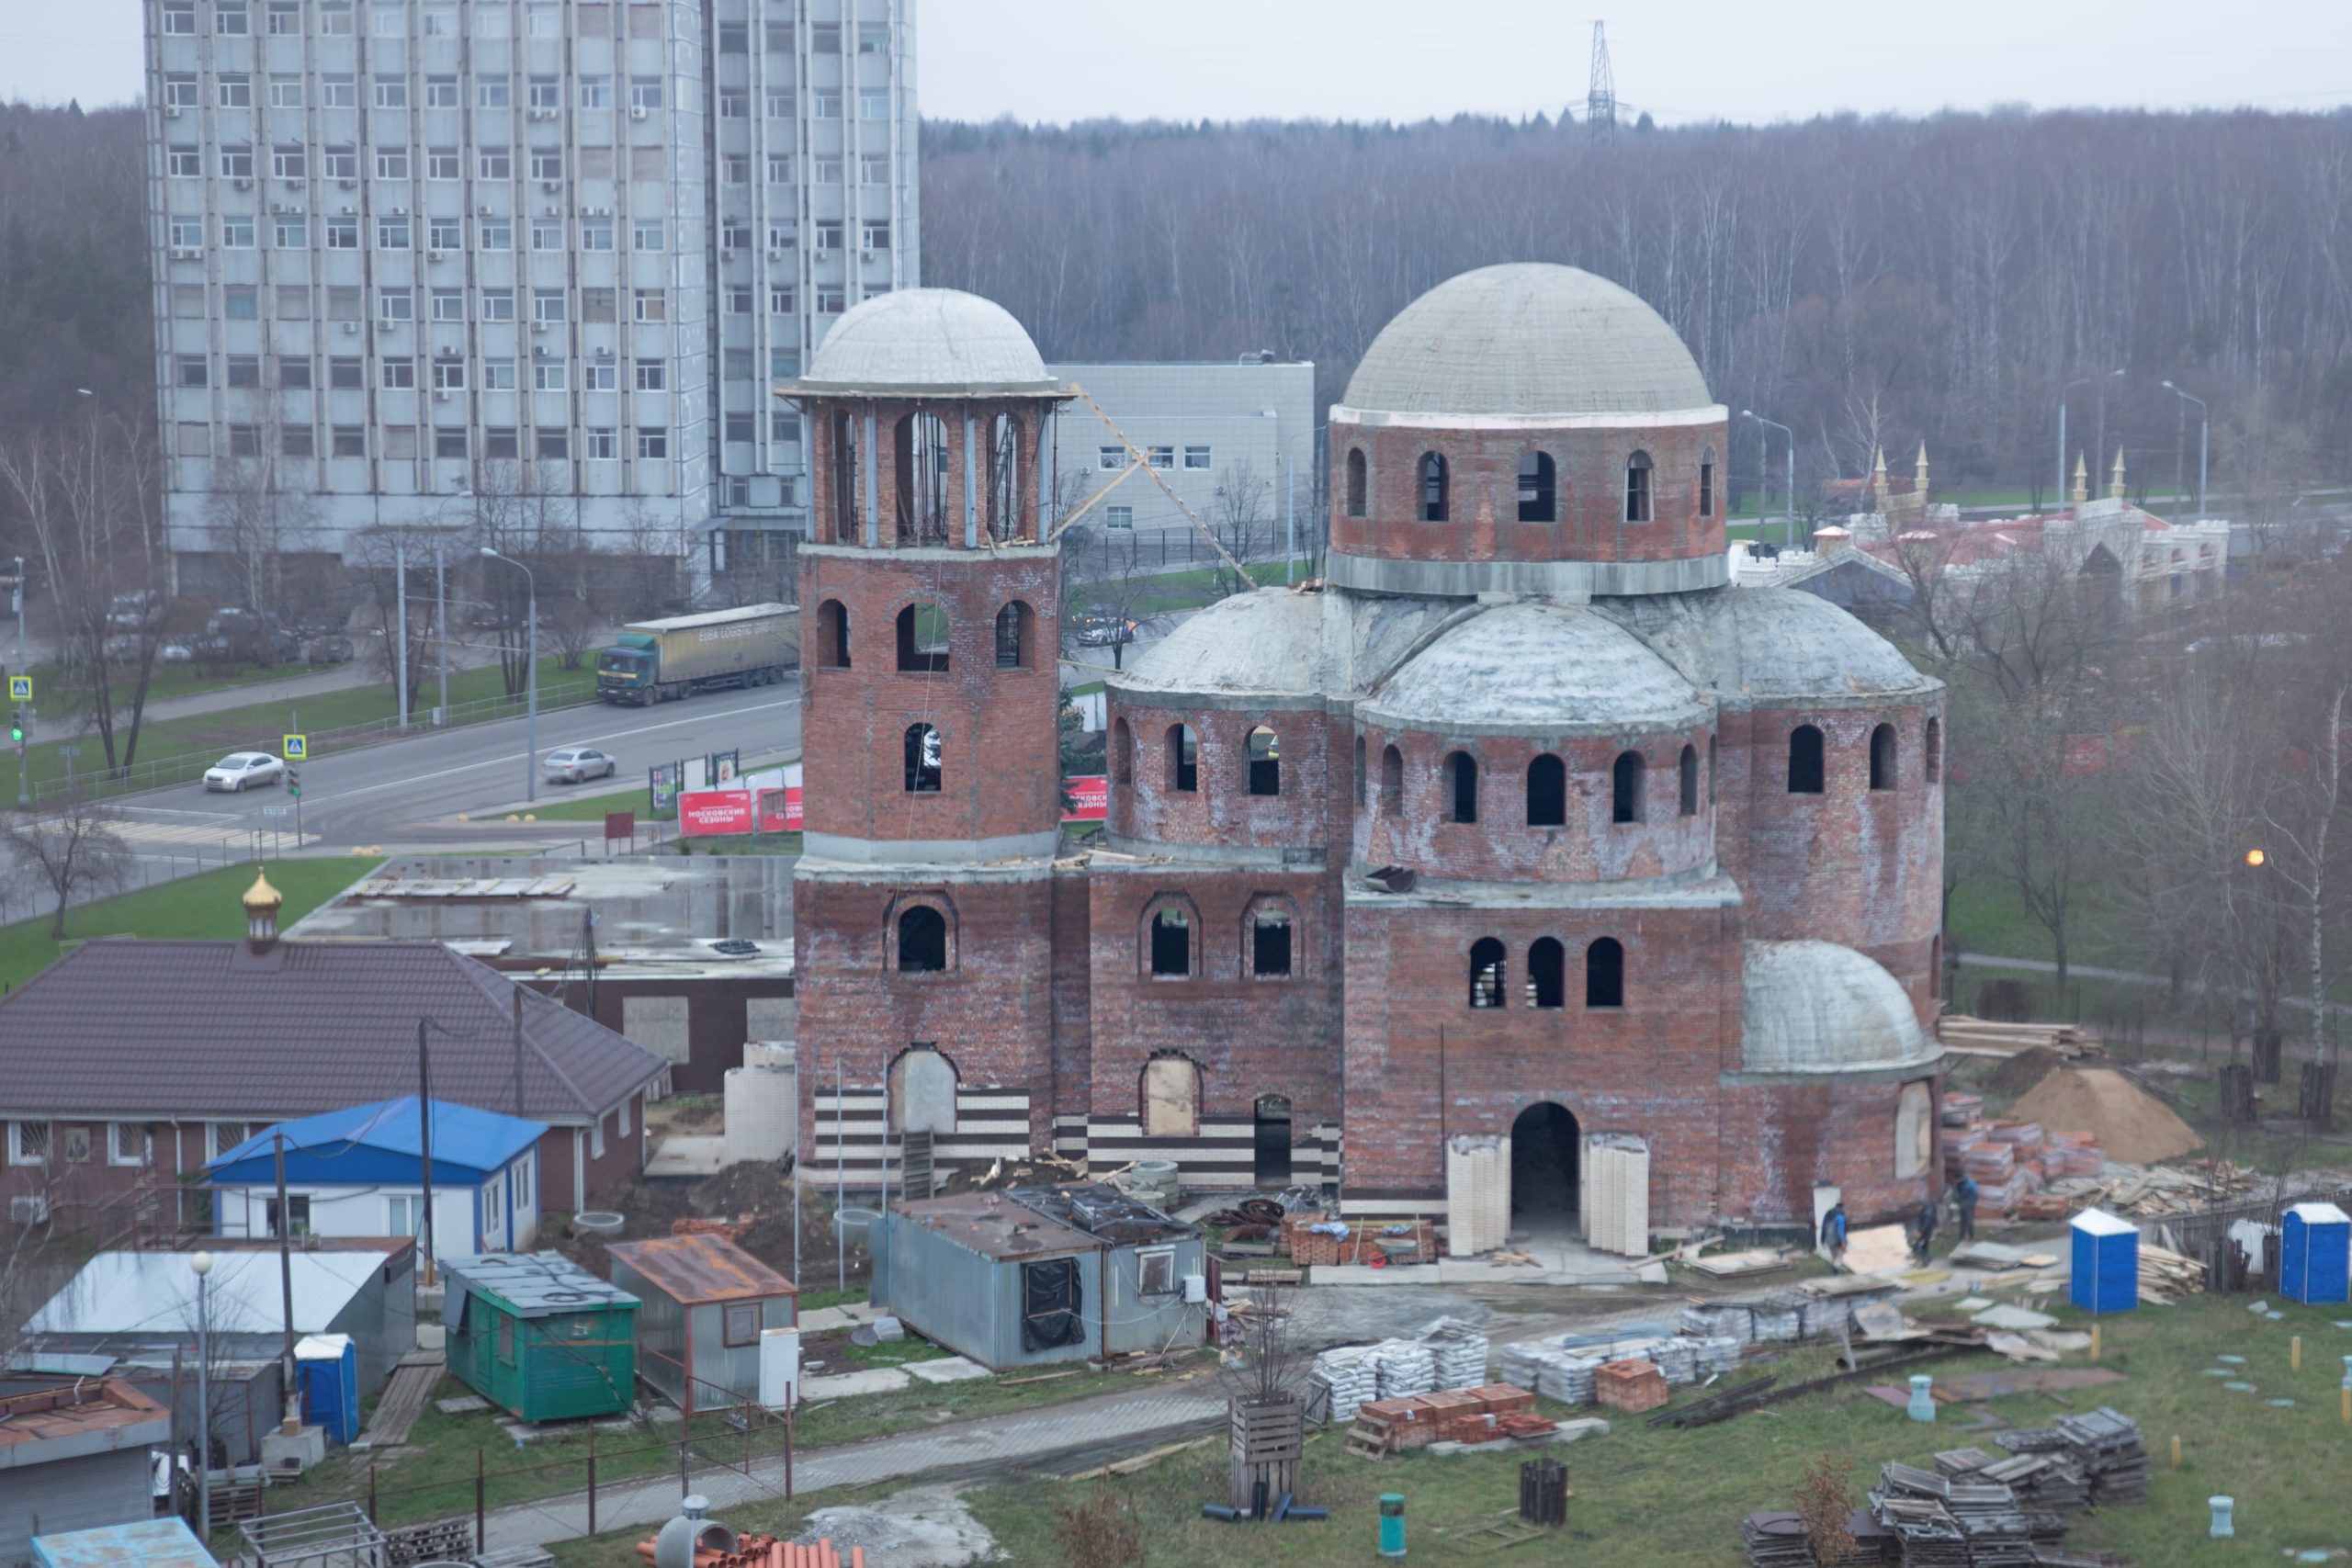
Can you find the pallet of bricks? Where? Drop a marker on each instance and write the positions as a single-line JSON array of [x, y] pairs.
[[2011, 1160], [1481, 1415], [1309, 1238]]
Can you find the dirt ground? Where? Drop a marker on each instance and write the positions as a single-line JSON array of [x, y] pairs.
[[758, 1189]]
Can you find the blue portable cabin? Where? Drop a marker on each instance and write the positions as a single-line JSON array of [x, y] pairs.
[[359, 1171], [326, 1369], [142, 1543], [2105, 1274], [2316, 1253]]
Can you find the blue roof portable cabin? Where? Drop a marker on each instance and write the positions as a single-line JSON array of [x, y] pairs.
[[2106, 1263], [360, 1171], [2316, 1253], [143, 1543], [326, 1367]]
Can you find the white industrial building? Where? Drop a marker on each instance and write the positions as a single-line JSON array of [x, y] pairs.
[[413, 258]]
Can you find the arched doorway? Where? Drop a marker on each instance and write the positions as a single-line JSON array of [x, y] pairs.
[[1543, 1169], [1272, 1168]]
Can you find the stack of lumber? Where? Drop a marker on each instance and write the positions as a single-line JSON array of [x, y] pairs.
[[2162, 1189], [2165, 1274], [1984, 1037]]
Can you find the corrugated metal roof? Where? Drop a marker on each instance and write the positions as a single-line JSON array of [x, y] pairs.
[[484, 1140], [696, 1269], [124, 1027], [536, 1284], [145, 1543], [72, 1410], [996, 1225], [154, 1292]]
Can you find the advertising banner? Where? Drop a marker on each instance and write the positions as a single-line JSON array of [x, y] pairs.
[[780, 809], [662, 783], [714, 813], [1090, 798]]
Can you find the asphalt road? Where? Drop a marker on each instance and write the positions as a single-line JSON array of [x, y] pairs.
[[411, 792]]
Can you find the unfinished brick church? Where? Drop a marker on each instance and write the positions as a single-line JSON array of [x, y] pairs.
[[1521, 830]]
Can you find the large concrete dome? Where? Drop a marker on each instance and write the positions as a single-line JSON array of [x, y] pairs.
[[1814, 1006], [1773, 645], [1527, 339], [1269, 642], [929, 341], [1535, 669]]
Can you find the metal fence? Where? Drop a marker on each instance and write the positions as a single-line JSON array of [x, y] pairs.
[[188, 766], [21, 898]]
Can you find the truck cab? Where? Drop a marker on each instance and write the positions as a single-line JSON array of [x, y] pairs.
[[630, 668]]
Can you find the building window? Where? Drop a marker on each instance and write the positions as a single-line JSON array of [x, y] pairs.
[[391, 93], [236, 92], [1161, 457], [1547, 963], [923, 640], [652, 445], [650, 305], [1687, 780], [126, 1143], [833, 634], [603, 445], [230, 20], [296, 1215], [392, 233], [441, 93], [922, 759], [739, 1324], [1270, 944], [1184, 759], [499, 441], [1014, 636], [1548, 792], [1537, 491], [237, 162], [1882, 771], [1933, 752], [652, 376], [288, 162], [494, 93], [296, 441], [646, 234], [875, 235], [1637, 488], [348, 440], [1604, 973], [236, 232], [1707, 483], [244, 371], [497, 163], [1433, 487], [339, 90], [923, 940], [1357, 481], [193, 371], [443, 163], [1392, 781], [399, 375], [874, 104], [449, 442], [1265, 761], [738, 428], [595, 234], [1110, 459], [1626, 777], [391, 162], [1486, 972], [29, 1141], [1171, 943], [1120, 518], [179, 19], [180, 92], [1172, 1097], [498, 304], [286, 92], [293, 373], [1196, 457], [1461, 787], [1807, 769]]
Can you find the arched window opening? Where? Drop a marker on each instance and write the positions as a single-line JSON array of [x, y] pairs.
[[1362, 783], [1626, 779], [1707, 483], [833, 634], [1537, 493], [1269, 956], [1915, 1132], [1882, 757], [1357, 482], [1933, 751], [1183, 759], [844, 478], [1392, 781], [1637, 488], [920, 454], [922, 1092], [1461, 787], [1807, 773], [1005, 489], [1604, 973], [922, 760], [1433, 487], [1265, 762], [1123, 753], [1172, 1097], [1688, 795], [1015, 636], [1171, 944], [1548, 792], [923, 940], [1486, 972], [1711, 769], [1547, 968], [923, 640]]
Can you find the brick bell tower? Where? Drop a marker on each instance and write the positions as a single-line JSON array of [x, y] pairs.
[[929, 592]]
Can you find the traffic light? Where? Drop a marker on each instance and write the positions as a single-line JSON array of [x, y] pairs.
[[16, 725], [293, 781]]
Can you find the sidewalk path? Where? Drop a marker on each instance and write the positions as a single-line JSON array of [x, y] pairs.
[[2124, 977]]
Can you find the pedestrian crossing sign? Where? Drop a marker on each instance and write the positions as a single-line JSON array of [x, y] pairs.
[[298, 747], [21, 688]]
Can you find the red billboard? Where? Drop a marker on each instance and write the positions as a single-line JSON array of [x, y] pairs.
[[1090, 798], [714, 813], [780, 810]]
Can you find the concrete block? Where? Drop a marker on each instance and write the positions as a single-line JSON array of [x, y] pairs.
[[284, 1452], [432, 1337], [430, 1298], [954, 1369], [462, 1405], [849, 1385]]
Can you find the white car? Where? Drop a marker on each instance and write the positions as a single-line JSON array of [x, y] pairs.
[[243, 770], [576, 763]]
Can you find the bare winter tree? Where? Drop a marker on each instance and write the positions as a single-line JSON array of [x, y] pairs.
[[1238, 515], [524, 512], [72, 849], [261, 510], [383, 560]]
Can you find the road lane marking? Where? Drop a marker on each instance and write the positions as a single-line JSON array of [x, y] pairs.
[[512, 757]]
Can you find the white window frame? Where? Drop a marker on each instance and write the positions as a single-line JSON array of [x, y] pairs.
[[1202, 452], [519, 1176], [116, 1133], [19, 1150], [215, 1145], [1157, 1257], [286, 92]]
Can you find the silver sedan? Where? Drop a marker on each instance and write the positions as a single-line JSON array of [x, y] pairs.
[[574, 763], [243, 770]]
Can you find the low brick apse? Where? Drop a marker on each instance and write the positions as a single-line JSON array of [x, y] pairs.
[[1522, 824]]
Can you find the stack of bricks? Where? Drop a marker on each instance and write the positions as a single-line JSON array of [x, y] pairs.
[[1525, 1424], [1406, 1422], [1459, 1416], [2011, 1160], [1502, 1399], [1630, 1386], [1363, 1241]]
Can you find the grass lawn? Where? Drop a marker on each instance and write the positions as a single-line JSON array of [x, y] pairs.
[[60, 702], [202, 906], [263, 725]]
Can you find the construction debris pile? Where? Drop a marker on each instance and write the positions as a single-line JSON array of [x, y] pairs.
[[1976, 1510], [1316, 1238], [1449, 1355]]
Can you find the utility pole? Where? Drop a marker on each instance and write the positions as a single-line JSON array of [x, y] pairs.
[[425, 1137], [1600, 100], [399, 635], [2204, 427], [202, 1264], [441, 624], [286, 1288], [518, 1050]]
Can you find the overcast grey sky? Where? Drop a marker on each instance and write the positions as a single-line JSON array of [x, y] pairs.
[[1681, 60]]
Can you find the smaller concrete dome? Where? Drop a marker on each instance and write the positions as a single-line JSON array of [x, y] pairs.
[[1814, 1006], [1771, 645], [1269, 642], [1534, 667], [1527, 338], [928, 341]]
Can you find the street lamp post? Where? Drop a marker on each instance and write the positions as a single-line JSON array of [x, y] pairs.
[[2204, 427], [1789, 498], [202, 1265], [531, 666], [2059, 496]]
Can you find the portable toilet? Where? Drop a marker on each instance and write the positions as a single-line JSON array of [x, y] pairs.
[[2316, 1253], [2106, 1263], [326, 1367]]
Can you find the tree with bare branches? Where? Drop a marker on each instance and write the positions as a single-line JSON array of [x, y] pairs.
[[75, 850]]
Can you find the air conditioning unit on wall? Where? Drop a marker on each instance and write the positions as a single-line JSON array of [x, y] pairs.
[[30, 1209]]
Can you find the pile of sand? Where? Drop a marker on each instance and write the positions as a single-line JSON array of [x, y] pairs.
[[2129, 1124]]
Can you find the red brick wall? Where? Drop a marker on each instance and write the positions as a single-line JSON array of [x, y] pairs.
[[1500, 846], [1073, 1035], [1780, 1141], [1313, 749], [1026, 413], [1482, 514]]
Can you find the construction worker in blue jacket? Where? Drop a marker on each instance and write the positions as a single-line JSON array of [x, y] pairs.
[[1833, 1234]]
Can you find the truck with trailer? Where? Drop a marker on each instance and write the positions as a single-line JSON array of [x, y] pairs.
[[660, 661]]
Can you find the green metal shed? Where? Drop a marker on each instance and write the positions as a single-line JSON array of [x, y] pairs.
[[537, 1335]]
